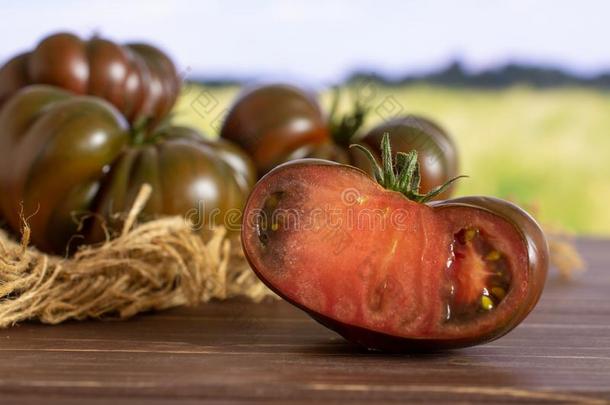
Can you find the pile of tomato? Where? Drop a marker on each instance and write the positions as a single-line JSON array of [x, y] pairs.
[[83, 125], [350, 224]]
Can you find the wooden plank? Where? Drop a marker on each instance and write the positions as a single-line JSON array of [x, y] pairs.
[[234, 351]]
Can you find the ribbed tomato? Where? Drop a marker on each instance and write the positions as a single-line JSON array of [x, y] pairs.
[[376, 263], [67, 157], [139, 79]]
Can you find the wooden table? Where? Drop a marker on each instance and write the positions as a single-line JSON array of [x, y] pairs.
[[235, 351]]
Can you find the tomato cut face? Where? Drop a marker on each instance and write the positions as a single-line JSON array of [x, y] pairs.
[[385, 271]]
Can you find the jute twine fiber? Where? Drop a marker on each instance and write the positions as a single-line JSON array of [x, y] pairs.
[[150, 266]]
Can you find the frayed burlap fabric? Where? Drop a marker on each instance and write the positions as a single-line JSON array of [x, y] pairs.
[[150, 266]]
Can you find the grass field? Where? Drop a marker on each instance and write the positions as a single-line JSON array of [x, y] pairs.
[[549, 149]]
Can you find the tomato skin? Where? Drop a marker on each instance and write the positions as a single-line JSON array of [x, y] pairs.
[[271, 122], [230, 153], [304, 266], [333, 152], [140, 80], [13, 76], [68, 156]]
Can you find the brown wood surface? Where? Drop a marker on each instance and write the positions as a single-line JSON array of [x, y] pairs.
[[234, 351]]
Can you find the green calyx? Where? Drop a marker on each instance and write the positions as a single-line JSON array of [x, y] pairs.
[[404, 176], [343, 130], [139, 131], [145, 131]]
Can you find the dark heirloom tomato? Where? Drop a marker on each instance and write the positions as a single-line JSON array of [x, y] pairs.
[[65, 156], [271, 122], [279, 123], [383, 268], [140, 80]]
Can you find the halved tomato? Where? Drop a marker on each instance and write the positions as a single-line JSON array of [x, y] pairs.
[[382, 267]]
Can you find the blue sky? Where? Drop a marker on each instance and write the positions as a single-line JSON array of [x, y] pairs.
[[322, 41]]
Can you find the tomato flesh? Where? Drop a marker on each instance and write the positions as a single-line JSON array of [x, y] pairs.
[[369, 262]]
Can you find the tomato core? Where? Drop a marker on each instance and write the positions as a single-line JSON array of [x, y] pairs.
[[478, 276]]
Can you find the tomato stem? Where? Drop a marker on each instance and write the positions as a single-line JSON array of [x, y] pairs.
[[343, 130], [138, 131], [403, 177], [146, 131]]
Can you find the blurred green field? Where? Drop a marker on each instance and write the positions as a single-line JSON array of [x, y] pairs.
[[549, 149]]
